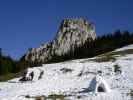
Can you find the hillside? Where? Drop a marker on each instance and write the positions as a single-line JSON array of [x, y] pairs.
[[71, 80], [73, 32]]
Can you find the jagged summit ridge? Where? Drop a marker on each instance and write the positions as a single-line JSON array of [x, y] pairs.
[[72, 32]]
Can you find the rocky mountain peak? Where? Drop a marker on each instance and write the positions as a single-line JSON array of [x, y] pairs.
[[75, 26], [71, 33]]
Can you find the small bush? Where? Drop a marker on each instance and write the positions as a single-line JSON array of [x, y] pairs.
[[50, 97], [41, 74], [99, 72], [41, 98], [105, 58], [80, 74], [79, 97], [10, 76], [117, 69], [37, 97], [66, 70], [27, 96], [55, 97], [130, 93]]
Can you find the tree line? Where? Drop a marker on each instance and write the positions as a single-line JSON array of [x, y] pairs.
[[102, 44]]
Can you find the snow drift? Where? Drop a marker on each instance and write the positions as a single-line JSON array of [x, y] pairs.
[[76, 80]]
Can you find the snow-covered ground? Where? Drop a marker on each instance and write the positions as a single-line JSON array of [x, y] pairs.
[[73, 78]]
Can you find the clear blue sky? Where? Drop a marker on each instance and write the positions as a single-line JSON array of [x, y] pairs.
[[29, 23]]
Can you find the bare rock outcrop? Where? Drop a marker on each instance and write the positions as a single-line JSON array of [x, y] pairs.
[[71, 33]]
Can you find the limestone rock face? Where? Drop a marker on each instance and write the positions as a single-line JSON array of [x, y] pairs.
[[72, 32], [41, 54]]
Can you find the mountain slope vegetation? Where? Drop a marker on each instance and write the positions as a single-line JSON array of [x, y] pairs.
[[100, 45]]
